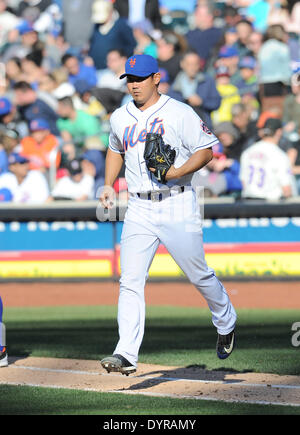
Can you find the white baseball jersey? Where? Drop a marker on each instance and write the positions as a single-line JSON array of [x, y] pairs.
[[68, 188], [179, 126], [265, 170]]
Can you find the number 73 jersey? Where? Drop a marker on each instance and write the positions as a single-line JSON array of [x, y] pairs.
[[265, 170]]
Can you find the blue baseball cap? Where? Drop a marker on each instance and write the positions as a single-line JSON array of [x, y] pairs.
[[25, 27], [5, 106], [140, 65], [82, 86], [16, 158], [228, 51], [39, 124], [5, 195], [248, 62]]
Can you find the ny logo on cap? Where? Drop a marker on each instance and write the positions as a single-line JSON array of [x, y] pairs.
[[132, 62]]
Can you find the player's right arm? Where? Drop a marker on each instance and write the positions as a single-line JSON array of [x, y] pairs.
[[113, 165]]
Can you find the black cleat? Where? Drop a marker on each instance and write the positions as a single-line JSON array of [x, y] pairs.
[[117, 363], [225, 345]]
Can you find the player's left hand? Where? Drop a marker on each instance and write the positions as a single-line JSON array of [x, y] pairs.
[[172, 173]]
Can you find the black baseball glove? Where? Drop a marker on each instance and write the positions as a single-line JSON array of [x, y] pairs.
[[158, 156]]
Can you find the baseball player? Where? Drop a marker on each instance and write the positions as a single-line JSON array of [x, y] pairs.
[[3, 351], [265, 168], [157, 197]]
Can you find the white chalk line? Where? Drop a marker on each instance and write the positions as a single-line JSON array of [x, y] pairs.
[[171, 396], [159, 378]]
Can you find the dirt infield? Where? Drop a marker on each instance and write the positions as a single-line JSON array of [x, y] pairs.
[[242, 294], [179, 382]]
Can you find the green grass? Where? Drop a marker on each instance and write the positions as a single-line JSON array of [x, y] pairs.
[[173, 336], [46, 401]]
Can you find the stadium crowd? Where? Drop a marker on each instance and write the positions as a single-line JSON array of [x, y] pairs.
[[237, 63]]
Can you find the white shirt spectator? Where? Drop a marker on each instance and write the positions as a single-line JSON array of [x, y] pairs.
[[265, 170], [108, 79], [8, 22], [66, 187], [33, 189]]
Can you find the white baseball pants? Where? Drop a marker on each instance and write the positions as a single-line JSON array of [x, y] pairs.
[[176, 223]]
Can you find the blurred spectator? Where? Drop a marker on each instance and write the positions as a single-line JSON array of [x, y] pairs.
[[3, 159], [258, 12], [5, 195], [205, 36], [55, 47], [170, 48], [255, 42], [110, 76], [41, 5], [176, 14], [274, 67], [265, 169], [79, 70], [77, 125], [230, 37], [78, 185], [110, 31], [246, 126], [291, 108], [231, 15], [137, 11], [27, 43], [221, 175], [248, 84], [197, 88], [32, 72], [164, 85], [229, 96], [279, 14], [229, 137], [100, 102], [9, 117], [55, 84], [13, 70], [25, 185], [244, 29], [93, 162], [145, 35], [8, 22], [294, 156], [32, 107], [77, 15], [294, 21], [50, 20], [10, 142], [229, 57], [38, 146]]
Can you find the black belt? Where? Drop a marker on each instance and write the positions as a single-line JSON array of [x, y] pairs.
[[159, 196]]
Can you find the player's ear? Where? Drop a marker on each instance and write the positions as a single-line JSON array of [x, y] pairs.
[[156, 78]]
